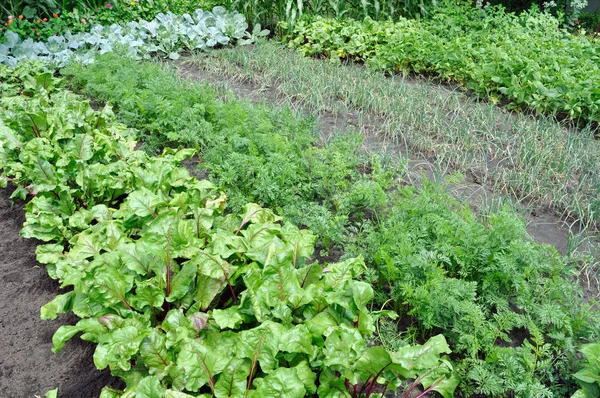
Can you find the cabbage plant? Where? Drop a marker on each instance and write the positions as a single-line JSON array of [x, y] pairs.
[[166, 35]]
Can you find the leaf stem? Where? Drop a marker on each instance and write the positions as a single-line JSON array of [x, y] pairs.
[[254, 360]]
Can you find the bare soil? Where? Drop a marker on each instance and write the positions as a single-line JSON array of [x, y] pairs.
[[28, 368]]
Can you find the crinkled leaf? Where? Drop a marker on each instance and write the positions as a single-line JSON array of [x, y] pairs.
[[154, 352], [426, 356], [118, 350], [207, 289], [148, 294], [182, 281], [150, 387], [201, 362], [229, 318], [49, 254], [60, 304], [282, 382], [62, 335], [143, 202], [261, 344]]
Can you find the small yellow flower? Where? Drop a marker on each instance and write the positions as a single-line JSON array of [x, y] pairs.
[[132, 3]]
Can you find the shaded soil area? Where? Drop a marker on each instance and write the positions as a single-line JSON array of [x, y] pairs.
[[28, 368]]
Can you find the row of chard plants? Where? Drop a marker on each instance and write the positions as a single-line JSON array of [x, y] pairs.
[[181, 297]]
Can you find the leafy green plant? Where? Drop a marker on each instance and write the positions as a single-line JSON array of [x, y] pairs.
[[590, 21], [589, 376], [167, 35]]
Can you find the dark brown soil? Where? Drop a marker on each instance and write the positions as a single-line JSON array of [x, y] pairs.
[[28, 368]]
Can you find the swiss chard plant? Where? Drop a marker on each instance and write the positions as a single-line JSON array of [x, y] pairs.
[[589, 376]]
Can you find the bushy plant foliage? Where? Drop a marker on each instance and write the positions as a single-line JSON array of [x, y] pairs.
[[526, 59], [503, 301], [589, 376]]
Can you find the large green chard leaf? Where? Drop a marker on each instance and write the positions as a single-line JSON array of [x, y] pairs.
[[150, 387], [143, 203], [423, 357], [203, 360], [229, 318], [155, 354], [118, 346], [261, 345], [60, 304], [149, 294], [44, 221], [283, 382], [207, 289], [343, 346]]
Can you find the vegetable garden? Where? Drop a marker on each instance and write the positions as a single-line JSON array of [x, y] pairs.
[[205, 245]]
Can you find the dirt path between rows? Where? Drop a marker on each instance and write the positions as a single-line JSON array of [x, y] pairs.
[[28, 368]]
